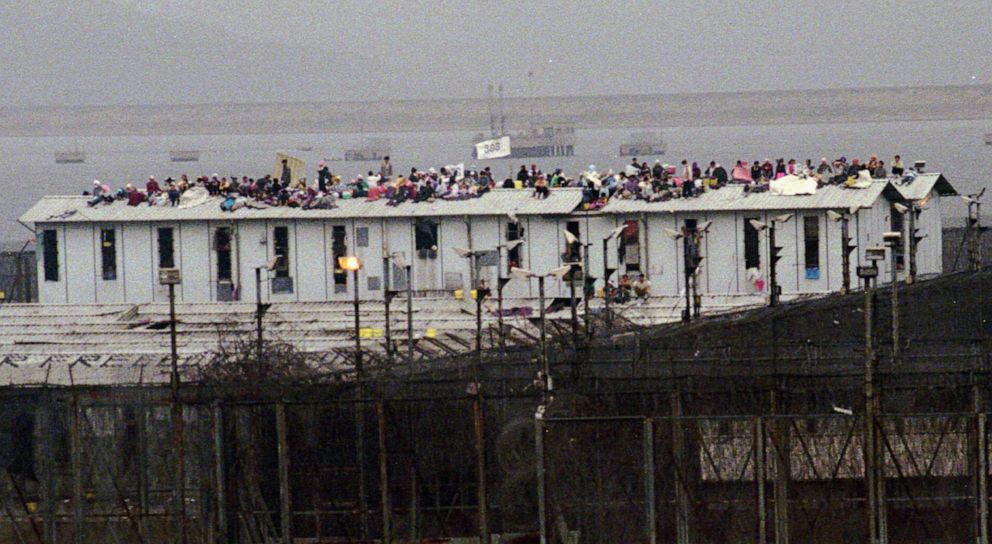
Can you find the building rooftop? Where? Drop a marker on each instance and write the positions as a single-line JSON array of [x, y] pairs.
[[69, 209]]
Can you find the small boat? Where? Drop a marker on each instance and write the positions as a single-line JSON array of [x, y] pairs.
[[184, 155], [306, 148], [70, 157], [988, 138], [643, 144], [371, 149]]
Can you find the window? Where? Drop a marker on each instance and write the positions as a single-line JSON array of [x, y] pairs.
[[514, 257], [222, 245], [896, 222], [166, 249], [340, 249], [280, 237], [573, 251], [108, 253], [50, 254], [811, 246], [752, 253], [630, 248], [361, 236], [425, 238]]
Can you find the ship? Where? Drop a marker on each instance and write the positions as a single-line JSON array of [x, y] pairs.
[[988, 138], [184, 155], [70, 157], [371, 149], [643, 144], [540, 140]]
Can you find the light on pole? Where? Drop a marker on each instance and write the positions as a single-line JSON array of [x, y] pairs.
[[399, 260], [573, 240], [774, 254], [501, 282], [354, 264], [846, 247], [173, 277], [607, 271], [525, 274], [893, 239]]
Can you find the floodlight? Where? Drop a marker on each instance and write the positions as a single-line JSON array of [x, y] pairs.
[[398, 259], [561, 271], [462, 252], [673, 234], [758, 225], [571, 238], [522, 273], [349, 263], [782, 218], [834, 216], [273, 263], [900, 208], [616, 232]]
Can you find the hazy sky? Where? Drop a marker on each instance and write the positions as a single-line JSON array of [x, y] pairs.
[[130, 51]]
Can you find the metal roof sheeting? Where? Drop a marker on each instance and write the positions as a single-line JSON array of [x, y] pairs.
[[73, 209], [923, 184], [732, 198]]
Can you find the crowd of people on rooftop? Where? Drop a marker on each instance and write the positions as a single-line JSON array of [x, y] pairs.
[[637, 180]]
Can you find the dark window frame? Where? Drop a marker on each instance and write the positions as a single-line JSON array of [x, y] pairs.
[[50, 254], [339, 248], [222, 247], [108, 254], [752, 245], [166, 247], [811, 242], [280, 250]]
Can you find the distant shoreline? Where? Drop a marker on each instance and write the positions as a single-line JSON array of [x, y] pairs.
[[807, 107]]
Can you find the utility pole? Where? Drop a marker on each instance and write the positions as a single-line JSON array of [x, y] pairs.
[[173, 277], [893, 239], [873, 473], [975, 230]]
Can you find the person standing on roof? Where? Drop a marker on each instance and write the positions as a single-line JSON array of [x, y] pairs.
[[152, 187], [522, 176], [286, 176], [385, 168], [323, 176]]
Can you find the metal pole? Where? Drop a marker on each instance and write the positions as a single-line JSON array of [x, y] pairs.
[[760, 479], [649, 506], [585, 285], [575, 310], [258, 313], [76, 453], [499, 298], [912, 243], [358, 330], [218, 432], [545, 366], [606, 286], [541, 490], [387, 299], [982, 473], [282, 452], [387, 531], [409, 320], [179, 486], [772, 275], [681, 473], [687, 315], [870, 449], [480, 459], [895, 304], [845, 254]]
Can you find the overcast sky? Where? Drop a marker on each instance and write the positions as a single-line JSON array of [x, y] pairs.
[[63, 52]]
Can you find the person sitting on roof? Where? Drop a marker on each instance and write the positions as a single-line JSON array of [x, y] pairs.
[[719, 173], [152, 187], [741, 173], [541, 190], [134, 196], [879, 171], [623, 288], [642, 288]]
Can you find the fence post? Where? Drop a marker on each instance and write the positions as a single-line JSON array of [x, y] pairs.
[[678, 455], [380, 412], [783, 471], [760, 478], [541, 490], [649, 497], [982, 474], [480, 458], [75, 452], [48, 484], [285, 508], [143, 480], [219, 478]]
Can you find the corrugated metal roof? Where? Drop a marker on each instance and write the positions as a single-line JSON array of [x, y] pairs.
[[732, 198], [923, 184], [57, 209], [124, 344]]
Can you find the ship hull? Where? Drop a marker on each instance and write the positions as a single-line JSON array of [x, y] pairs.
[[645, 150]]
